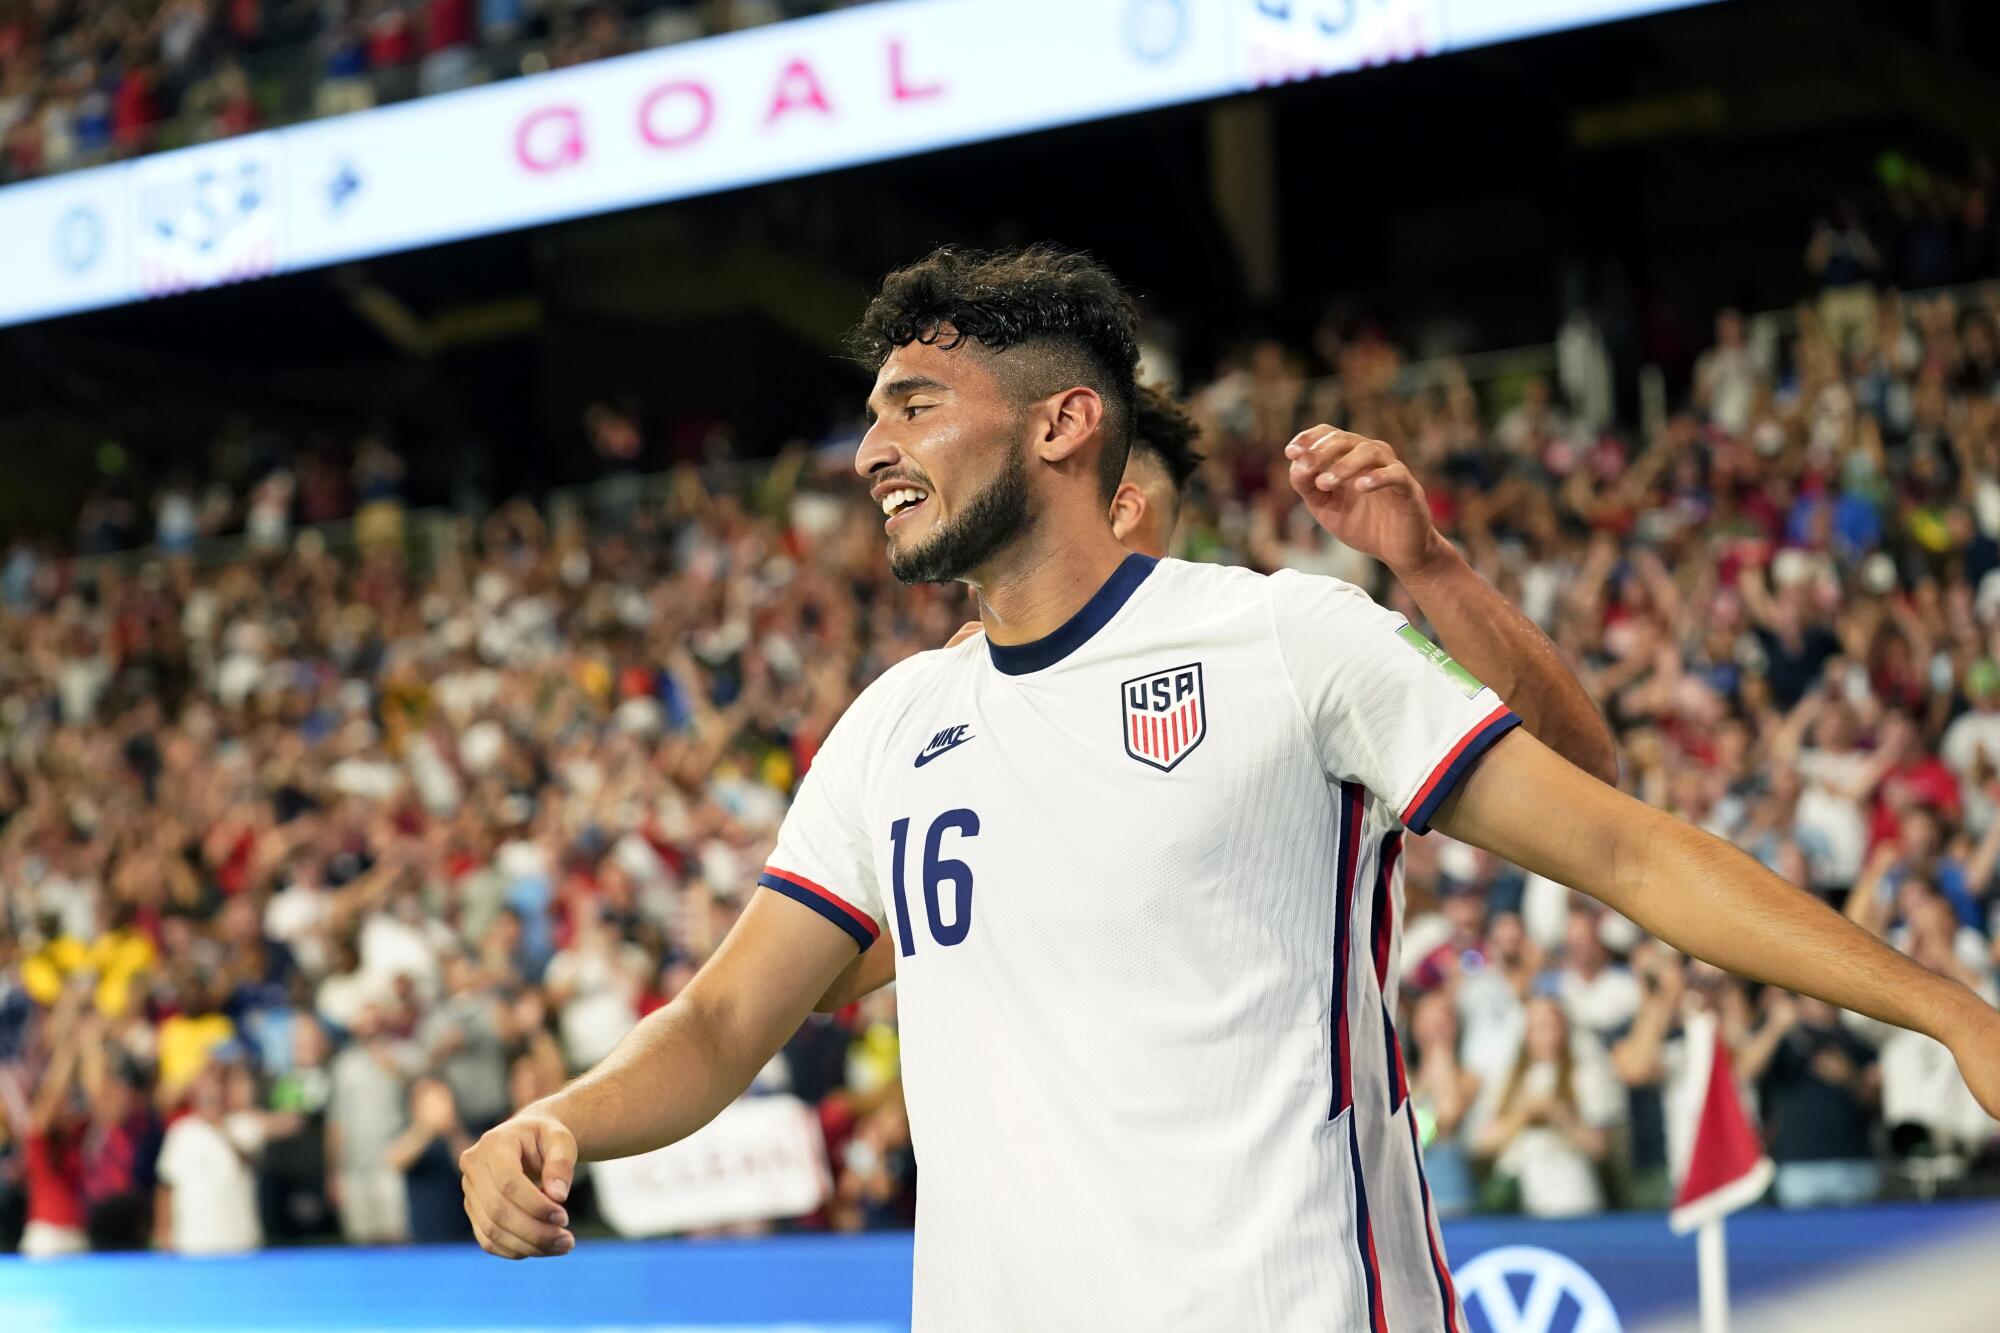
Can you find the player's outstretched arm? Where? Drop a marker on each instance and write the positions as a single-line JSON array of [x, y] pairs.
[[1358, 490], [671, 1075], [1701, 895]]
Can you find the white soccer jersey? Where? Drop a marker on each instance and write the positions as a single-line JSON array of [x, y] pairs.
[[1140, 877]]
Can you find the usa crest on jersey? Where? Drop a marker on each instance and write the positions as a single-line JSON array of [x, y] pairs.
[[1166, 715]]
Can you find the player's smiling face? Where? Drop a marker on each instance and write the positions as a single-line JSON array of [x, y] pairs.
[[945, 459]]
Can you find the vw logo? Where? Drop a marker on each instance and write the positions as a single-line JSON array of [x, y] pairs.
[[1155, 29], [79, 239], [1522, 1289]]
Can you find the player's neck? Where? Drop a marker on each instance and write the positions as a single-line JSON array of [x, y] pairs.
[[1034, 590]]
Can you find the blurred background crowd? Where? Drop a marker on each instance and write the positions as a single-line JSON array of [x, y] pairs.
[[347, 805], [314, 863], [84, 82]]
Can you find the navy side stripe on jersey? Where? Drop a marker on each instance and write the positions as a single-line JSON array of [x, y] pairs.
[[1447, 1292], [1345, 859], [1451, 770], [1364, 1237], [1399, 1080], [1382, 919], [857, 923]]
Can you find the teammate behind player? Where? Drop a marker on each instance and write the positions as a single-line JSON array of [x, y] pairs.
[[1132, 846], [1146, 507]]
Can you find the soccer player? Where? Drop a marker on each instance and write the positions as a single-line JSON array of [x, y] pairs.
[[1129, 844], [1373, 503]]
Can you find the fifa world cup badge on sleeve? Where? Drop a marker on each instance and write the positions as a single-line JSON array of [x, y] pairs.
[[1165, 715], [1467, 683]]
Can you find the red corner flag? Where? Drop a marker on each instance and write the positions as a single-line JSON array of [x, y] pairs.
[[1725, 1167]]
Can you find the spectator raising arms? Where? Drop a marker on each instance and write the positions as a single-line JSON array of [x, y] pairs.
[[208, 1187]]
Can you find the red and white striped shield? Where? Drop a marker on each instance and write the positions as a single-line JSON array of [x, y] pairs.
[[1166, 715]]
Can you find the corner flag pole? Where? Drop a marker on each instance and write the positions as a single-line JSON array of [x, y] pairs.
[[1712, 1268]]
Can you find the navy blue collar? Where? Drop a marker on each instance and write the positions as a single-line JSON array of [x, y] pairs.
[[1017, 659]]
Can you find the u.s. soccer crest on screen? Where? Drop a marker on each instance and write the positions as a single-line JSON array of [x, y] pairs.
[[1166, 715]]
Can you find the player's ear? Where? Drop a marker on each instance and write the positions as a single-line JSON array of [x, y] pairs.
[[1069, 420], [1128, 509]]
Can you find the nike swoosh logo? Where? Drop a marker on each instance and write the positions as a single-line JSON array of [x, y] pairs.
[[948, 746]]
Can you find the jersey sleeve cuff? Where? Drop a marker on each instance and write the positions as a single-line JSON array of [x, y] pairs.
[[1457, 762], [858, 924]]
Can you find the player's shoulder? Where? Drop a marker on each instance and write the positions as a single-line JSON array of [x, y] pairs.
[[1203, 574], [1321, 599], [908, 683], [915, 675], [1298, 583], [1192, 584], [1282, 590]]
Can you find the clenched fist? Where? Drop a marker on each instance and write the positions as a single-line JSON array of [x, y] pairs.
[[516, 1179]]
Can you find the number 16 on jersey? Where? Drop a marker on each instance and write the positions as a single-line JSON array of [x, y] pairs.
[[938, 871]]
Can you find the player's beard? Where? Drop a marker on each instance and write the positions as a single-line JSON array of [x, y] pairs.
[[956, 547]]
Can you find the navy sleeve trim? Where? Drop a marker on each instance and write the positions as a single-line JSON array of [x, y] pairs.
[[857, 923], [1451, 770]]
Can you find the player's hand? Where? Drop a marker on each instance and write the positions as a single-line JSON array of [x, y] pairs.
[[965, 631], [516, 1178], [1358, 490]]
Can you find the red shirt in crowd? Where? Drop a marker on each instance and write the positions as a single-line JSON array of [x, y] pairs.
[[389, 40], [1920, 781], [133, 113], [448, 23], [55, 1180], [234, 872], [111, 1166]]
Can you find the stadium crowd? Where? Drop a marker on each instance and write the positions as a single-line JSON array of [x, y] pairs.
[[314, 864], [84, 82]]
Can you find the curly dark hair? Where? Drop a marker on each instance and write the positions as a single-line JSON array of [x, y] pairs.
[[1061, 309], [1162, 427]]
